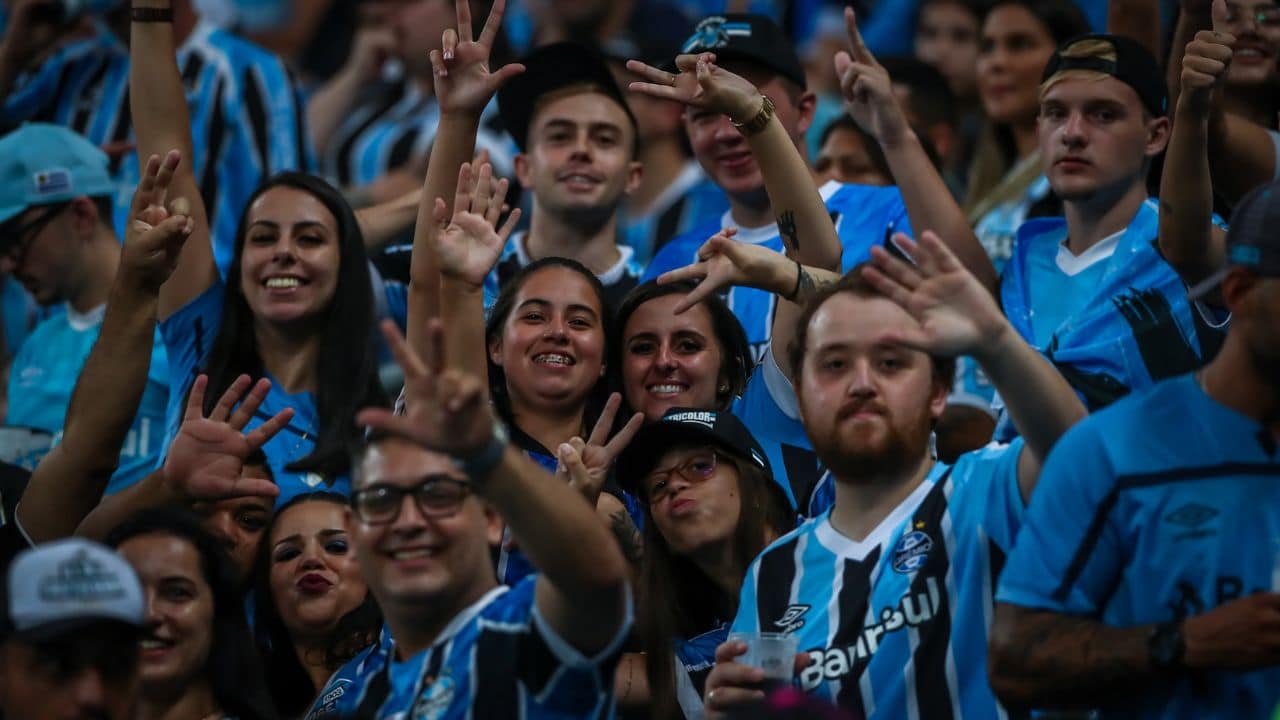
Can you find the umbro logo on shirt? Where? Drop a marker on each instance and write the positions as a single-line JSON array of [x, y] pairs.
[[1192, 517], [792, 619]]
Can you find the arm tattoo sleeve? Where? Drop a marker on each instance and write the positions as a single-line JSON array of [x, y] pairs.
[[787, 229], [628, 536]]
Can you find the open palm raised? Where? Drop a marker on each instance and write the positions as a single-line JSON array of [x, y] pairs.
[[471, 242]]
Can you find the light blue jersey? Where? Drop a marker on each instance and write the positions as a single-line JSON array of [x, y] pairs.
[[864, 216], [188, 336], [44, 374], [247, 120], [1118, 325], [769, 409], [497, 659], [896, 624], [1164, 505]]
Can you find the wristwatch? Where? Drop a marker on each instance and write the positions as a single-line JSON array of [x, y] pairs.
[[487, 458], [760, 121], [1166, 646]]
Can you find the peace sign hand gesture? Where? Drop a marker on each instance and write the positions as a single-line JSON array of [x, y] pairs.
[[206, 460], [463, 80], [585, 465], [469, 245], [700, 83], [867, 90], [158, 226], [445, 410]]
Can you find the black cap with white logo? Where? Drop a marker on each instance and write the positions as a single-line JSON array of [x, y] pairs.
[[742, 36], [686, 426]]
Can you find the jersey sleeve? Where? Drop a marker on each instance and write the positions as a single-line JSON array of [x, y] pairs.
[[1068, 553], [989, 478]]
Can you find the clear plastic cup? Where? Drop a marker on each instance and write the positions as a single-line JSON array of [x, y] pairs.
[[775, 653]]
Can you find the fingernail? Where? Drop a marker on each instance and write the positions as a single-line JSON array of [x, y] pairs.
[[448, 54]]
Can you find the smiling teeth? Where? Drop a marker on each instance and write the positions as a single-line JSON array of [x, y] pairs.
[[152, 644], [553, 359], [666, 388], [283, 282]]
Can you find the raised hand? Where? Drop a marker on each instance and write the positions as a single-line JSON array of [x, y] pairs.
[[957, 315], [585, 465], [206, 460], [868, 92], [723, 262], [370, 48], [158, 226], [470, 242], [463, 81], [700, 83], [445, 410], [1207, 61]]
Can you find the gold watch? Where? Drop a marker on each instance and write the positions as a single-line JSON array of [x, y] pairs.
[[760, 121]]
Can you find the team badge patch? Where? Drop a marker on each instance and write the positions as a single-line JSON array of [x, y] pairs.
[[714, 32], [435, 699], [52, 181], [912, 552]]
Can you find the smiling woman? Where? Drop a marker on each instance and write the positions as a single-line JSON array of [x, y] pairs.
[[197, 659]]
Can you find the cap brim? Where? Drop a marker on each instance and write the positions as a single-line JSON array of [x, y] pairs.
[[71, 626], [644, 451]]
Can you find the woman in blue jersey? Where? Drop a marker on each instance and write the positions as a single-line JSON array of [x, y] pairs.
[[314, 610], [711, 505], [296, 305], [196, 657]]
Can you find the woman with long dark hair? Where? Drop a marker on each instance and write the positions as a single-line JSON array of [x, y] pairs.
[[314, 611], [297, 303], [1006, 185], [197, 657], [711, 505]]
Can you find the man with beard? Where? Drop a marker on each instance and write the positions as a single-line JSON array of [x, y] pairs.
[[1147, 578], [888, 592], [577, 141]]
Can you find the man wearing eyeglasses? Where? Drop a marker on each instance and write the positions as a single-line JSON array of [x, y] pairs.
[[56, 238], [456, 643]]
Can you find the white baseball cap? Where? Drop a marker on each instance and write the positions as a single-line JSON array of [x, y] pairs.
[[64, 585]]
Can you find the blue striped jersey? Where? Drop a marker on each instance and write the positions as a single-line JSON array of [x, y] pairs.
[[769, 409], [617, 280], [499, 658], [691, 200], [246, 116], [44, 374], [392, 123], [864, 216], [188, 337], [1163, 505], [896, 624]]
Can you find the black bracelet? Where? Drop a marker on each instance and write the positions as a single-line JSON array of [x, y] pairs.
[[799, 274], [151, 14]]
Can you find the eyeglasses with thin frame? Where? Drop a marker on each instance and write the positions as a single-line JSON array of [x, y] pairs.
[[23, 235], [1265, 15], [437, 496], [695, 469]]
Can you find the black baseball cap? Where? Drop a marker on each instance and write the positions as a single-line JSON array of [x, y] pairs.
[[1134, 66], [686, 426], [743, 36], [1252, 239], [548, 69]]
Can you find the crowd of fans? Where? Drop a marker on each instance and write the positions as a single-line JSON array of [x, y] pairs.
[[549, 359]]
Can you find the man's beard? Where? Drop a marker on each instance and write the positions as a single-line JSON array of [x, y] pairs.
[[588, 219], [890, 455]]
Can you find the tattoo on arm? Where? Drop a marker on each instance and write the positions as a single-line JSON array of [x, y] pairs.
[[628, 536], [787, 229], [807, 286], [1052, 660]]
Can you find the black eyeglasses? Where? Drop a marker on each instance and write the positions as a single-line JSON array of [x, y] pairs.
[[19, 239], [437, 496]]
